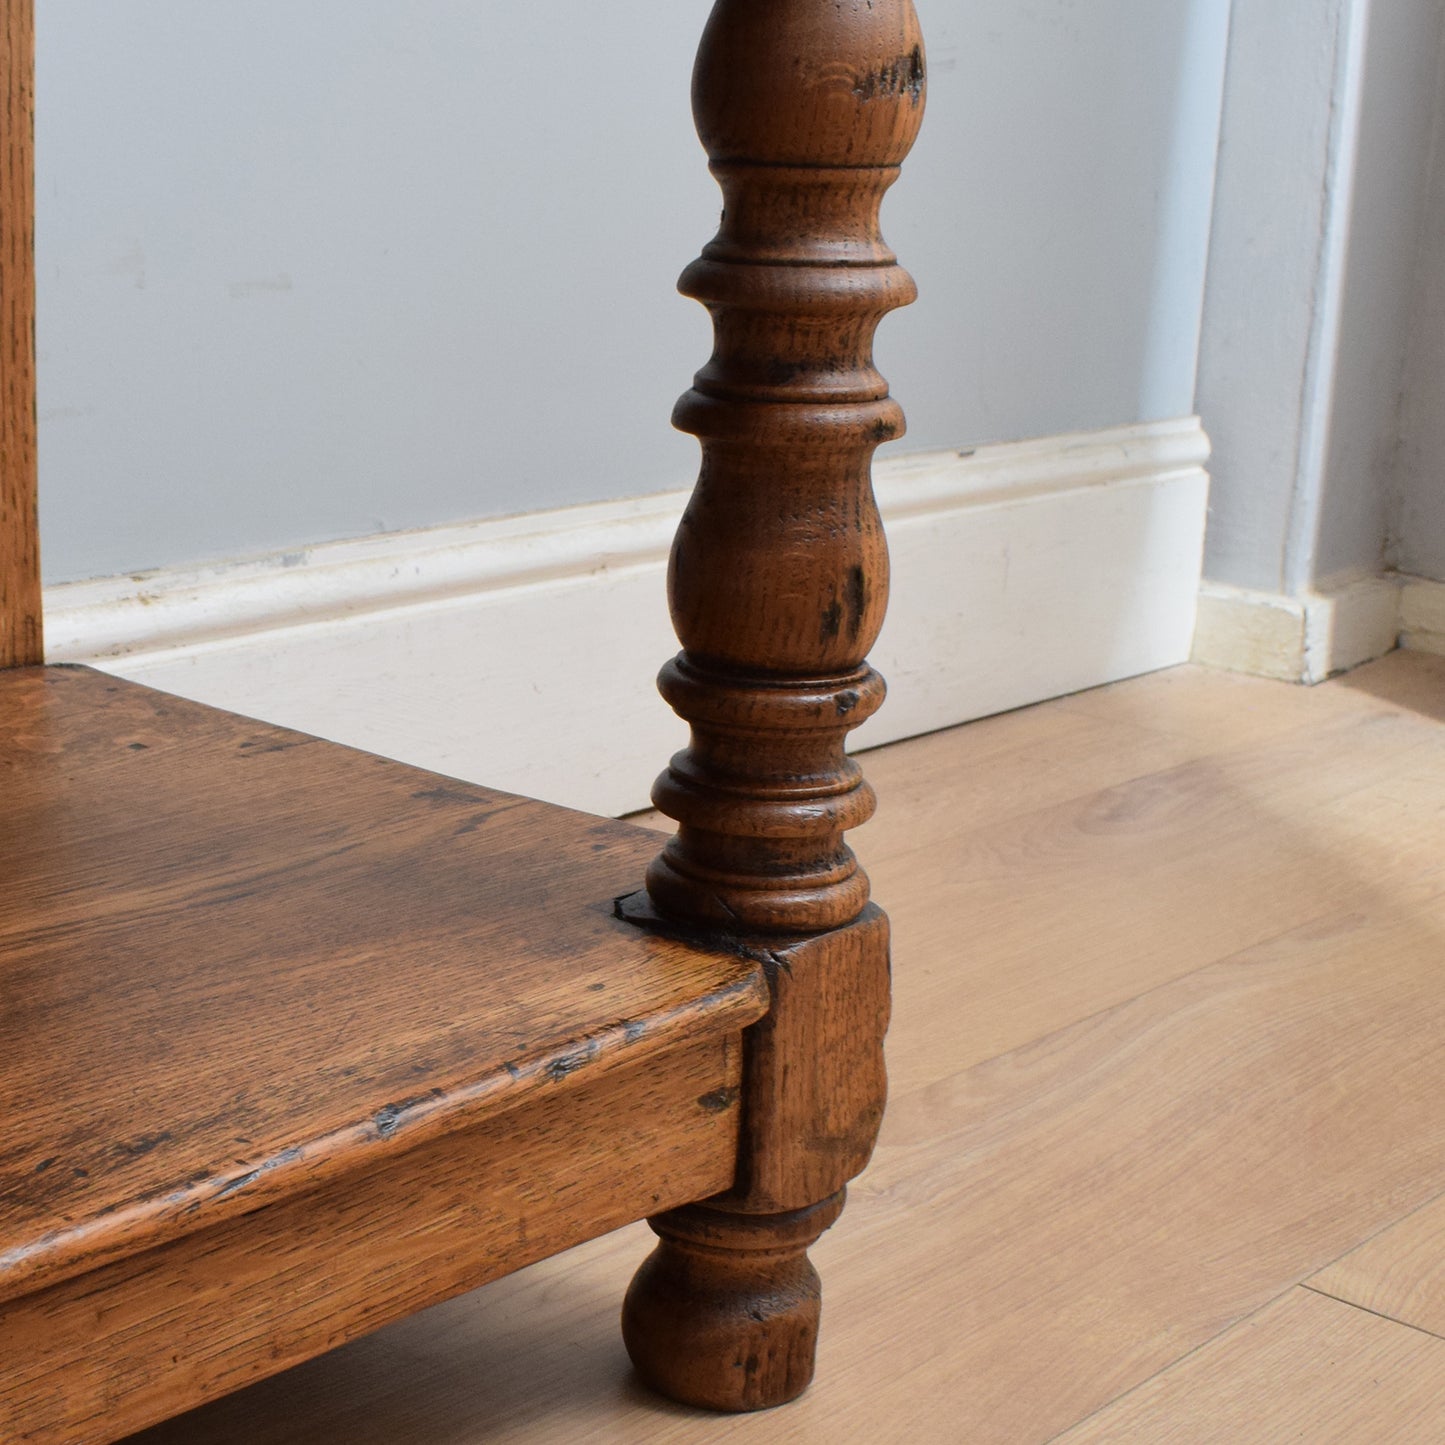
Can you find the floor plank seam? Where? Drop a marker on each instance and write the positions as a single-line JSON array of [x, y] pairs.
[[1251, 1314], [1409, 1214], [1163, 1369], [1365, 1309]]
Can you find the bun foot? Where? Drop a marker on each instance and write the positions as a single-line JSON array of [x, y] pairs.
[[723, 1314]]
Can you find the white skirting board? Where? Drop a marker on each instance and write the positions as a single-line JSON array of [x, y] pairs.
[[521, 652], [1309, 638], [1422, 614], [1297, 639]]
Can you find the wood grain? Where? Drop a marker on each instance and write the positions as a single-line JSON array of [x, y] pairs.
[[1306, 1368], [1399, 1273], [20, 628], [1042, 1231], [117, 1348], [1051, 914], [239, 965]]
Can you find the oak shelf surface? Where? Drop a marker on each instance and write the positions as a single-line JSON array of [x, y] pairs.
[[237, 962]]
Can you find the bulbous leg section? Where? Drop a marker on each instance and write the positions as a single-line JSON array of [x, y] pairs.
[[723, 1314]]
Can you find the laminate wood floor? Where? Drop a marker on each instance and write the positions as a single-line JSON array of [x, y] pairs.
[[1165, 1158]]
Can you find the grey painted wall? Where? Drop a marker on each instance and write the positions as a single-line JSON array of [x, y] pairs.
[[1259, 380], [1316, 277], [1382, 275], [1417, 542], [317, 268]]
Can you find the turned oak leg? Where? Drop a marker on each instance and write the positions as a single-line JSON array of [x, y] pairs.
[[778, 583]]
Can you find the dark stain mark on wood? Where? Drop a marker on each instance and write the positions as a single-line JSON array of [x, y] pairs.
[[636, 909], [234, 1186], [904, 76], [44, 1165], [474, 822], [832, 620], [847, 701], [566, 1064], [776, 963], [781, 372], [917, 74], [718, 1101], [390, 1117], [443, 794], [136, 1148], [240, 1182], [857, 598], [254, 747]]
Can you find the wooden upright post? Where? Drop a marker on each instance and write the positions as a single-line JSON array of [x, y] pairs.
[[778, 584], [20, 640]]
